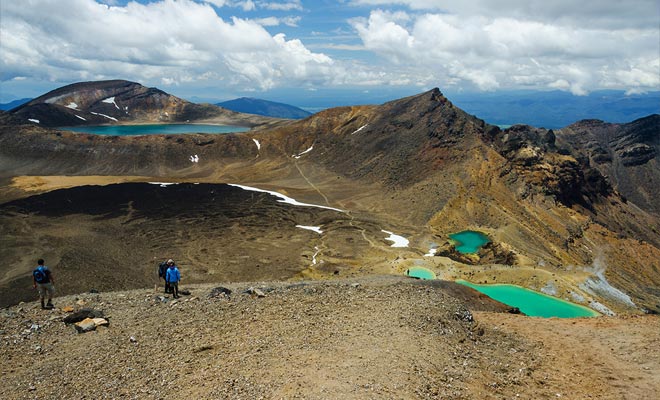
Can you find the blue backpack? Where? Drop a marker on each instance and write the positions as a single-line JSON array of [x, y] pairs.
[[40, 274]]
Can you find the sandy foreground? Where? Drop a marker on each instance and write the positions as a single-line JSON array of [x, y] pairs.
[[366, 338]]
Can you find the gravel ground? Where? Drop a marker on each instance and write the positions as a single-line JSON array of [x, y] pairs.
[[368, 338]]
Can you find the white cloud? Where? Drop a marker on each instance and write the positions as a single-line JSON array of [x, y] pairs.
[[281, 6], [274, 21], [493, 52], [612, 14], [168, 41]]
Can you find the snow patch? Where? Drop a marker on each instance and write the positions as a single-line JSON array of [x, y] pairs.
[[316, 229], [78, 116], [257, 143], [163, 184], [283, 198], [431, 252], [398, 241], [304, 152], [359, 129], [111, 100], [315, 254], [103, 115], [194, 159], [73, 106], [36, 121]]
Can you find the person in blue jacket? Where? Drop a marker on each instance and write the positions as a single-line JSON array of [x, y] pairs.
[[172, 277]]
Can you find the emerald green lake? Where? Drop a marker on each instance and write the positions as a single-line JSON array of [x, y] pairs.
[[469, 242], [156, 129], [420, 273], [532, 303]]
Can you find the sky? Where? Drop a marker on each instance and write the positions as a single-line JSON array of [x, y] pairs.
[[346, 50]]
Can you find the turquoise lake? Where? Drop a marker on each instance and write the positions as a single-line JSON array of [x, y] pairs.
[[469, 242], [420, 273], [532, 303], [163, 129]]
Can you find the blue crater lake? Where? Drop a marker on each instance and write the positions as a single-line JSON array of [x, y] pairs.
[[420, 273], [532, 303], [155, 129], [469, 242]]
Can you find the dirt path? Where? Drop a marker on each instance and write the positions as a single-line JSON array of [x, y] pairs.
[[601, 358]]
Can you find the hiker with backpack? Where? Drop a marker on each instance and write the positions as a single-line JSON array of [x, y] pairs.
[[42, 279], [162, 272], [172, 277]]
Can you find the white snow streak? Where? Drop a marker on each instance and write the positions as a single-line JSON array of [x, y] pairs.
[[431, 252], [36, 121], [111, 100], [304, 152], [78, 116], [315, 254], [103, 115], [398, 241], [72, 106], [257, 143], [359, 129], [163, 184], [284, 199], [316, 229]]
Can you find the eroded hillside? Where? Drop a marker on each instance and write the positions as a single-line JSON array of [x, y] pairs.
[[419, 167]]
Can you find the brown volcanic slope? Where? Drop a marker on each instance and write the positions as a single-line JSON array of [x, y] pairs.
[[118, 101], [417, 166]]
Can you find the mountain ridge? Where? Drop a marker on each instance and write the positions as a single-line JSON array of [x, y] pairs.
[[120, 101], [267, 108], [419, 164]]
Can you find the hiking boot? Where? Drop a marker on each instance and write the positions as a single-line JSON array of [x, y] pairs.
[[50, 305], [43, 307]]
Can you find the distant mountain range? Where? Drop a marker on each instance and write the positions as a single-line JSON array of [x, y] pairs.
[[13, 104], [264, 107], [557, 109], [118, 101]]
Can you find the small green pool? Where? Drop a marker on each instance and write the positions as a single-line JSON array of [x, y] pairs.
[[469, 242], [420, 273], [532, 303]]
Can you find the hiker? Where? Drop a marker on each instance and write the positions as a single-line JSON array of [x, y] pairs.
[[42, 279], [172, 277], [162, 271]]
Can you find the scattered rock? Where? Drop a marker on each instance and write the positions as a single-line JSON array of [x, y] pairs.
[[85, 325], [219, 292], [67, 309], [255, 292], [81, 315]]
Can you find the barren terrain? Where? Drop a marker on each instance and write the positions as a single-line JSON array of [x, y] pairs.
[[368, 338]]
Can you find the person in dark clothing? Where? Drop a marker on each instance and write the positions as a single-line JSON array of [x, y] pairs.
[[162, 271], [42, 279]]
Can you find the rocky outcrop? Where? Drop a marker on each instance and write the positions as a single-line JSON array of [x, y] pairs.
[[625, 153], [547, 170]]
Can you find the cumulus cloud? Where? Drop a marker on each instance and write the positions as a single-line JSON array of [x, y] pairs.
[[492, 52], [167, 41]]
